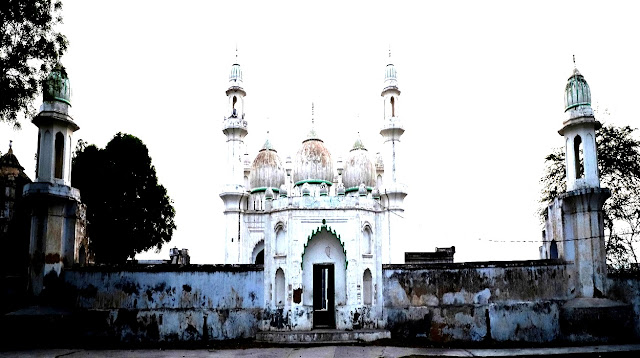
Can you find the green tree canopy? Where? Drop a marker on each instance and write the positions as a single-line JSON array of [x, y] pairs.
[[29, 48], [128, 211], [619, 166]]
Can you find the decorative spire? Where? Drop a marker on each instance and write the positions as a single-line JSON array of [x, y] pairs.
[[10, 146], [235, 77], [312, 133], [358, 144], [267, 144]]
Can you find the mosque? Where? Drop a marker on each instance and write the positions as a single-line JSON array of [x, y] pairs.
[[309, 245]]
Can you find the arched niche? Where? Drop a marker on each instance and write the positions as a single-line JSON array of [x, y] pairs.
[[367, 288], [280, 292]]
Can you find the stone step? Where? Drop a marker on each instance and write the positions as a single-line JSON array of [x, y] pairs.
[[322, 336]]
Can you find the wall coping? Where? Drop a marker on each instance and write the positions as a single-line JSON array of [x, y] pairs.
[[159, 268], [476, 265]]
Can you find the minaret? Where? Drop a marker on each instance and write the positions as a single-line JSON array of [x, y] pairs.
[[235, 129], [575, 227], [55, 204], [393, 192]]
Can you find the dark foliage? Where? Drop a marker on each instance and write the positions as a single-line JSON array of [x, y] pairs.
[[619, 166], [29, 48], [128, 211]]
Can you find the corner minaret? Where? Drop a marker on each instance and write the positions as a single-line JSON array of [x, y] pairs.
[[394, 191], [57, 213], [392, 128], [575, 225], [235, 129]]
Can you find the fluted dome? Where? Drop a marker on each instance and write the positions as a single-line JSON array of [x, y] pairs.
[[577, 92], [390, 76], [358, 167], [267, 170], [235, 77], [313, 161], [56, 86]]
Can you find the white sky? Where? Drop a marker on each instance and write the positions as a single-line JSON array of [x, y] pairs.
[[482, 98]]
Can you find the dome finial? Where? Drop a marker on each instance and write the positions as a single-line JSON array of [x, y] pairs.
[[10, 147], [574, 62], [312, 133]]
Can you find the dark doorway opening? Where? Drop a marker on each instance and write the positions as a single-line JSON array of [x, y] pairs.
[[324, 296], [553, 249], [260, 258]]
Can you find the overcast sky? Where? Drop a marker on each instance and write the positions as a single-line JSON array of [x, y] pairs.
[[482, 98]]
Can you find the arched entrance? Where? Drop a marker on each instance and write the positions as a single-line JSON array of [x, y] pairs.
[[257, 256], [324, 275]]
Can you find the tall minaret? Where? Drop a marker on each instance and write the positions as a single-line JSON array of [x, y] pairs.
[[394, 191], [55, 204], [575, 224], [235, 129]]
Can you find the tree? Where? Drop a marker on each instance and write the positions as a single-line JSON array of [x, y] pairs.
[[29, 48], [128, 211], [619, 166]]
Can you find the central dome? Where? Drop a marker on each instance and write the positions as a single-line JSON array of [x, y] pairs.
[[313, 161]]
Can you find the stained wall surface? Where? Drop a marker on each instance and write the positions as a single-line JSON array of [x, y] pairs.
[[170, 303], [501, 301]]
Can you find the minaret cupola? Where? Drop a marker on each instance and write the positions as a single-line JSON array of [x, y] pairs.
[[577, 96]]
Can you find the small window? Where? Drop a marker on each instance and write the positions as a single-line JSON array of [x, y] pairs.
[[233, 106], [393, 107], [59, 155], [578, 150]]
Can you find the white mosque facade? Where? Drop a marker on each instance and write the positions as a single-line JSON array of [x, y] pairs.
[[323, 229]]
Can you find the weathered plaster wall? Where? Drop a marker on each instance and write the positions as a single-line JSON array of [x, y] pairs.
[[502, 301], [169, 303], [627, 290]]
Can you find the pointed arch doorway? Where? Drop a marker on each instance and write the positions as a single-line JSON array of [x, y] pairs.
[[324, 268]]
